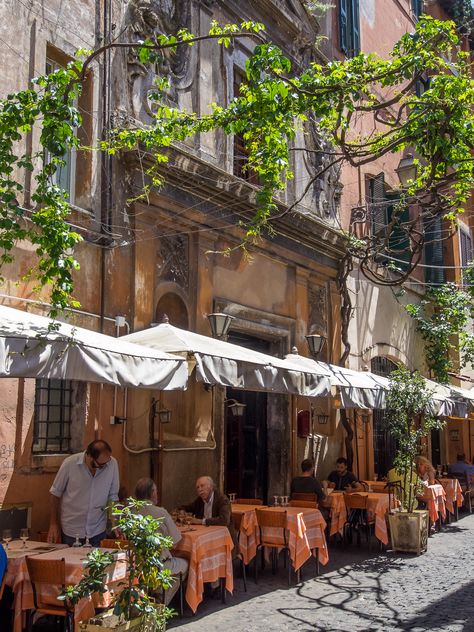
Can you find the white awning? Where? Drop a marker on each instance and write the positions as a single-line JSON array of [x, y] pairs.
[[30, 348], [356, 389], [449, 400], [226, 364]]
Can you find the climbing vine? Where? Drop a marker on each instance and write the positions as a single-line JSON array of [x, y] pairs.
[[443, 320]]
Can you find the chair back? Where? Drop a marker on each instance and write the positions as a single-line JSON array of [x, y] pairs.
[[2, 586], [303, 503], [355, 500], [247, 501], [272, 527], [302, 496], [114, 543], [52, 573], [42, 536]]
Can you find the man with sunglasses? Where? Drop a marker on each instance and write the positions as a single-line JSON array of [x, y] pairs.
[[84, 485]]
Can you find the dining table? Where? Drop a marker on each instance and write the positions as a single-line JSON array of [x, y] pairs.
[[209, 552], [337, 512], [435, 498], [306, 532], [454, 495], [379, 487], [18, 579], [378, 506]]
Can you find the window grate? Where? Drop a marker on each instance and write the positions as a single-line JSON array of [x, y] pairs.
[[53, 416], [384, 444]]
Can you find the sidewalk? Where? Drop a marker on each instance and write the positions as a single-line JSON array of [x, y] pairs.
[[357, 592]]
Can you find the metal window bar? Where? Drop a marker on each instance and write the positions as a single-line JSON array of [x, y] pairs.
[[384, 445], [53, 416]]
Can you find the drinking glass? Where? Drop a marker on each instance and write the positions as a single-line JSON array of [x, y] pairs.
[[7, 536], [77, 542], [87, 544], [24, 536], [439, 470], [276, 500]]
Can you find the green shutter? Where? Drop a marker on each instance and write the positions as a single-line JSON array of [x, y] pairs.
[[355, 28], [343, 43], [434, 251], [378, 205], [399, 242]]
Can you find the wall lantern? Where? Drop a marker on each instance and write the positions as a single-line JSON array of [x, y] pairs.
[[364, 416], [315, 344], [406, 170], [236, 407], [220, 324], [164, 415], [322, 418]]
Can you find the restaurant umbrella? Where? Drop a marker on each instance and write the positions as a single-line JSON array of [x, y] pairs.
[[226, 364], [37, 347]]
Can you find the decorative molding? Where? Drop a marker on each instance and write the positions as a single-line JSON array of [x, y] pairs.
[[173, 260], [318, 309]]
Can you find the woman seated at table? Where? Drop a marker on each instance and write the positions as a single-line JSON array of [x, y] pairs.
[[146, 490], [425, 470], [407, 486]]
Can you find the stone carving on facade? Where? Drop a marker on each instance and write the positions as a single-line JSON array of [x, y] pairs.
[[147, 19], [173, 260], [318, 309], [327, 189]]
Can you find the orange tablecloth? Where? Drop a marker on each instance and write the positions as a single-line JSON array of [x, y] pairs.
[[306, 532], [378, 506], [209, 551], [434, 495], [248, 537], [453, 492], [17, 577], [337, 511]]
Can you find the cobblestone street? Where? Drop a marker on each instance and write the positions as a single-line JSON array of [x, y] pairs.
[[358, 592]]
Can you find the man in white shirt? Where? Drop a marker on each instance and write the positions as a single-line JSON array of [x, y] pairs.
[[80, 493]]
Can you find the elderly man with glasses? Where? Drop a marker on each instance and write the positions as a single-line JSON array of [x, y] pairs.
[[84, 485]]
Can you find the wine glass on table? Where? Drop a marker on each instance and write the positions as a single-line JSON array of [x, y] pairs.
[[24, 536], [7, 537]]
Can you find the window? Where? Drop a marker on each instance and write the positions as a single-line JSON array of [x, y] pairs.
[[465, 245], [434, 256], [349, 27], [65, 174], [417, 8], [384, 444], [385, 209], [240, 151], [53, 416]]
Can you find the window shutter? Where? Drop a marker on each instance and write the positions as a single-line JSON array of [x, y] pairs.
[[355, 28], [343, 43], [434, 251], [417, 7], [378, 205], [399, 241]]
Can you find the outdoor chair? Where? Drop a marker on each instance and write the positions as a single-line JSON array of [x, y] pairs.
[[467, 486], [247, 501], [50, 573], [2, 586], [114, 543], [301, 496], [275, 520], [303, 503], [237, 520], [357, 517], [180, 578]]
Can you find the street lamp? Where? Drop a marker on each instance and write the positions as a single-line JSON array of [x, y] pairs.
[[315, 344], [220, 324], [236, 407], [164, 416], [406, 170]]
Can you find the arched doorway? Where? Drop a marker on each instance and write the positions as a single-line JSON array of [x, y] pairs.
[[174, 307], [384, 444]]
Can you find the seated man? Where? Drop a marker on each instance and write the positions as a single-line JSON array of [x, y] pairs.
[[306, 483], [461, 468], [146, 490], [212, 508], [341, 479]]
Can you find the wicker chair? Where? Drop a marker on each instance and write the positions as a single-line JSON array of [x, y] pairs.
[[273, 520], [51, 573], [357, 517], [247, 501], [237, 520]]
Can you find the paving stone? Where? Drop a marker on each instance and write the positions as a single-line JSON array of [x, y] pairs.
[[357, 593]]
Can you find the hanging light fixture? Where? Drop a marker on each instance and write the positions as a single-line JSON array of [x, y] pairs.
[[220, 324], [164, 415], [236, 407], [315, 344], [323, 418], [406, 170]]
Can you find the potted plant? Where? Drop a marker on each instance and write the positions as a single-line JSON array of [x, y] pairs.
[[409, 417], [133, 607]]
